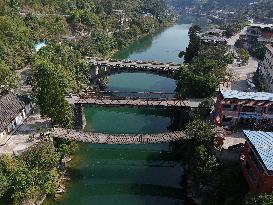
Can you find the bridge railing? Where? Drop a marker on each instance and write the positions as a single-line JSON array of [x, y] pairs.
[[119, 95]]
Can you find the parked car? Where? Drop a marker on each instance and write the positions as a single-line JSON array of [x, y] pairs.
[[250, 83]]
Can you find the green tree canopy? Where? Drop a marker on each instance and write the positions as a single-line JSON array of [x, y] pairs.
[[259, 200], [194, 45], [28, 176], [244, 55], [15, 44], [203, 163], [201, 77], [203, 110], [195, 85], [50, 84], [201, 131], [9, 80]]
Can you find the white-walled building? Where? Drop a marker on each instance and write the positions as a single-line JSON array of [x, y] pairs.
[[14, 109], [266, 68]]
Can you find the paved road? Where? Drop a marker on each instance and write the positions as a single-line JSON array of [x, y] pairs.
[[240, 74]]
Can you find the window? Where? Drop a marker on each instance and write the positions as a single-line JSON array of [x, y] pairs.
[[227, 107], [270, 110], [227, 119], [259, 109], [248, 109]]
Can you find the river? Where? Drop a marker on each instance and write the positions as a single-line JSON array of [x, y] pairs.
[[132, 174]]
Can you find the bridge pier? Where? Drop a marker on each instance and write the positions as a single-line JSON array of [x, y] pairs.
[[80, 121], [94, 71]]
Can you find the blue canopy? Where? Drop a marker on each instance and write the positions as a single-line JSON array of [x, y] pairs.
[[263, 144], [39, 45]]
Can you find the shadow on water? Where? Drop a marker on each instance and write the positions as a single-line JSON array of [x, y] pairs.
[[122, 174], [131, 120]]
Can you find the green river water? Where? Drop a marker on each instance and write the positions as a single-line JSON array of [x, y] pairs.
[[132, 174]]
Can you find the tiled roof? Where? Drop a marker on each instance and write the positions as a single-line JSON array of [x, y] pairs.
[[234, 94], [10, 106], [263, 144]]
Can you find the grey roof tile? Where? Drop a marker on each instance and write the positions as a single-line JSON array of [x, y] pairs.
[[11, 105]]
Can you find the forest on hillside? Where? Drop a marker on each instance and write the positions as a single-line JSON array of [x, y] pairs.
[[210, 3]]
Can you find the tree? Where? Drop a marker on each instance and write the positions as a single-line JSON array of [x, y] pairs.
[[50, 84], [259, 52], [259, 200], [43, 156], [203, 163], [65, 148], [201, 131], [244, 55], [203, 110], [31, 175], [201, 77], [194, 45], [5, 183], [15, 42], [197, 85], [9, 80]]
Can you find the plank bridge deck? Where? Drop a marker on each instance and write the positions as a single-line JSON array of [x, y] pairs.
[[101, 138], [133, 101]]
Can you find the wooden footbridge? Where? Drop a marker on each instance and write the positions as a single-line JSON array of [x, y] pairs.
[[101, 138], [105, 67], [137, 99]]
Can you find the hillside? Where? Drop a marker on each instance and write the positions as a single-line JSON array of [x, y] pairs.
[[97, 26]]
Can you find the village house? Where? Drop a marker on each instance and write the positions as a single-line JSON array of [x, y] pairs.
[[257, 161], [265, 69], [14, 109], [120, 14], [214, 36], [234, 108], [256, 35]]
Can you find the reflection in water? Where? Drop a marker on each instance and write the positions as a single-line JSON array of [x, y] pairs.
[[164, 46], [117, 120], [122, 174], [201, 21], [141, 82]]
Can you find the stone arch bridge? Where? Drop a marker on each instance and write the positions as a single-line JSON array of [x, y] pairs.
[[101, 138], [105, 67]]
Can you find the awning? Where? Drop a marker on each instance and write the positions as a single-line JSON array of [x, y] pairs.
[[251, 116]]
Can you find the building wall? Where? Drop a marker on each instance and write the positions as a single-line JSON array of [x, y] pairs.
[[28, 108], [2, 136], [258, 179], [233, 112], [17, 121]]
